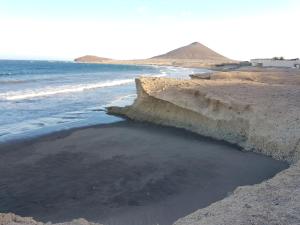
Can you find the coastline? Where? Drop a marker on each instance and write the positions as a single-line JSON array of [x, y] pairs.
[[80, 96], [267, 202], [194, 55], [166, 62]]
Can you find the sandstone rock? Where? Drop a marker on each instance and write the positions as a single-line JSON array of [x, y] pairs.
[[12, 219], [259, 111], [258, 116]]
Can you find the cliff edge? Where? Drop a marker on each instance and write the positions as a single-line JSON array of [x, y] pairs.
[[257, 110], [258, 116]]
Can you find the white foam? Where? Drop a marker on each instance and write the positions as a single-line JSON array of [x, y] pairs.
[[164, 74], [29, 94]]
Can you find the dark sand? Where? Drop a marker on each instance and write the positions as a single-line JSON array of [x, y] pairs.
[[123, 174]]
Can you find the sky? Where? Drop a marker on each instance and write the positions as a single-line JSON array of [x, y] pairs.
[[134, 29]]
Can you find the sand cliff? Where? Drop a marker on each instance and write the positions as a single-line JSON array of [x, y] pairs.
[[259, 116], [257, 110]]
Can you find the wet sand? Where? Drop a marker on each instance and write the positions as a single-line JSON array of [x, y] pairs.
[[123, 173]]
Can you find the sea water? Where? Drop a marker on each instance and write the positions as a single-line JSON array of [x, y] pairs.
[[39, 97]]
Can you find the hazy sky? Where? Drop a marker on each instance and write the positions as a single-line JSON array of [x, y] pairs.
[[128, 29]]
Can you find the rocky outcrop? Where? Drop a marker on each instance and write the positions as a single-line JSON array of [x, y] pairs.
[[256, 116], [12, 219], [282, 76], [259, 112]]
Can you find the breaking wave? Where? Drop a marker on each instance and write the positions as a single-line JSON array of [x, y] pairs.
[[65, 89]]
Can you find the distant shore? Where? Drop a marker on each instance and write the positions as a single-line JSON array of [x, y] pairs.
[[208, 64], [194, 55]]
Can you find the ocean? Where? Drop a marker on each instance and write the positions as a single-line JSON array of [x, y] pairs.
[[40, 97]]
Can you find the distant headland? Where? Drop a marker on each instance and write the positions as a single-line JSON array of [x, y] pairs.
[[192, 55], [91, 59]]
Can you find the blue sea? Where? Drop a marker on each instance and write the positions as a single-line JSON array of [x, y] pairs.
[[40, 97]]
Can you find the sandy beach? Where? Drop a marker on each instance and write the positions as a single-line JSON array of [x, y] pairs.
[[123, 173]]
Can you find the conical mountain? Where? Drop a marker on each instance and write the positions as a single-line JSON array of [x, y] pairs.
[[90, 59], [195, 51]]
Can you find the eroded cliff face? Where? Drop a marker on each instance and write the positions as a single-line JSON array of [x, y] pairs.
[[257, 116], [258, 111]]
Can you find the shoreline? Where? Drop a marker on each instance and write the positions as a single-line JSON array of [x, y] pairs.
[[173, 63], [87, 113], [123, 119], [49, 136], [272, 201]]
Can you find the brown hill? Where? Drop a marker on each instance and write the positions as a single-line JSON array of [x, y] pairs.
[[195, 51], [91, 59]]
